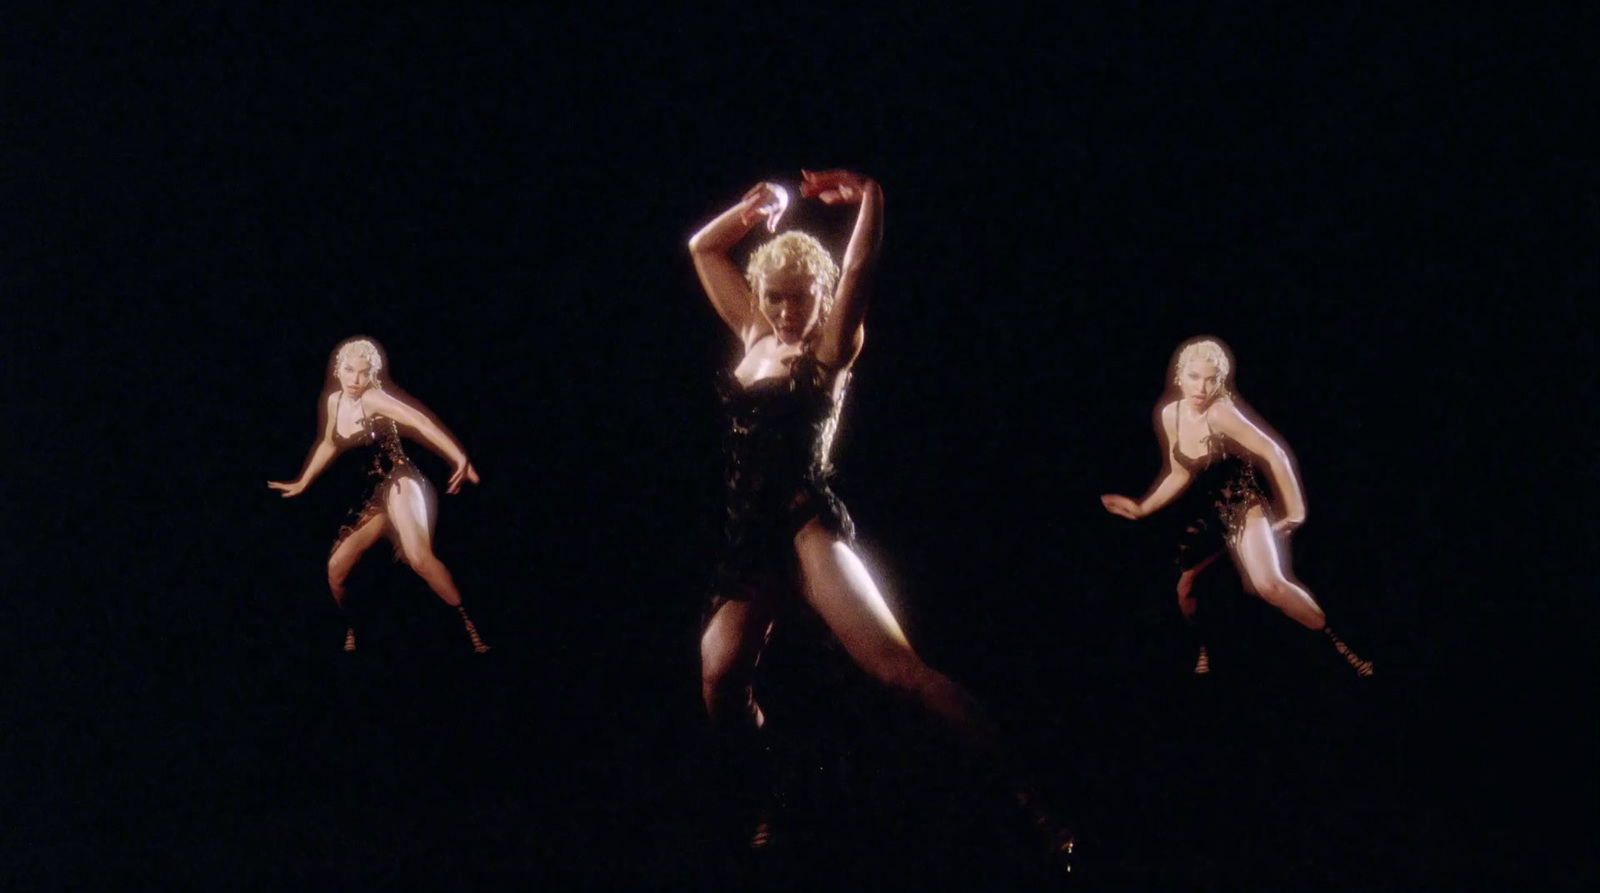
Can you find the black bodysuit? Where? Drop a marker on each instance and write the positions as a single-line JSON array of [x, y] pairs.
[[1222, 492], [776, 445], [376, 448]]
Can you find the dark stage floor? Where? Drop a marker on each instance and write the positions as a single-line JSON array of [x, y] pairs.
[[414, 761]]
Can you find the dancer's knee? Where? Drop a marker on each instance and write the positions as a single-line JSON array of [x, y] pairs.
[[725, 697], [430, 568], [729, 697], [723, 685], [422, 561], [908, 677], [1315, 618], [903, 672], [1293, 601], [1186, 599], [338, 572]]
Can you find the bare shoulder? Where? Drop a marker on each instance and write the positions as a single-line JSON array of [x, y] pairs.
[[330, 414], [1224, 407], [1224, 413], [1168, 414], [381, 402], [1245, 428]]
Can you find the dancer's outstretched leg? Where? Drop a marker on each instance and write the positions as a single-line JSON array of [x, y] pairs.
[[842, 592], [1265, 568], [408, 509]]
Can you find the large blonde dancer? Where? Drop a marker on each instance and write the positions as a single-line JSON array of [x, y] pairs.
[[799, 319]]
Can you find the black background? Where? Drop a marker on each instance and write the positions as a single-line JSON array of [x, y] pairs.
[[1388, 216]]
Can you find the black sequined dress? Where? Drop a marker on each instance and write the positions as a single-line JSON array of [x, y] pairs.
[[1222, 491], [776, 446], [376, 448]]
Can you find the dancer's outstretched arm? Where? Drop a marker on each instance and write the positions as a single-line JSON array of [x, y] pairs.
[[841, 335], [322, 452], [1174, 477]]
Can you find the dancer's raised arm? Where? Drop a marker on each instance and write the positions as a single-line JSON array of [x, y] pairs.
[[725, 285], [322, 452], [1174, 477], [841, 337]]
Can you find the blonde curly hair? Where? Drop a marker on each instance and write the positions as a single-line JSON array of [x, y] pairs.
[[360, 348], [1204, 348], [796, 252]]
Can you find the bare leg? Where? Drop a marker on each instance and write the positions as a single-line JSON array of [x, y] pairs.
[[729, 649], [1188, 606], [841, 591], [839, 588], [344, 559], [408, 510], [1186, 601], [1264, 569]]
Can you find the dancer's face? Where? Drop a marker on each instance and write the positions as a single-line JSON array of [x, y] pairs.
[[355, 376], [1200, 382], [788, 301]]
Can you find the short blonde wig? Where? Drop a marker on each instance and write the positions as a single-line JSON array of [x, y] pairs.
[[796, 252], [360, 349], [1204, 348]]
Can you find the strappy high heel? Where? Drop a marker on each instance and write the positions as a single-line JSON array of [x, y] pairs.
[[472, 631], [1059, 840], [1362, 667], [350, 638], [1202, 662], [762, 837]]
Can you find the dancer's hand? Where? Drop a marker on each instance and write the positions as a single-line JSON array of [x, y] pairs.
[[767, 200], [1287, 526], [464, 471], [1121, 505], [291, 488], [835, 187]]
